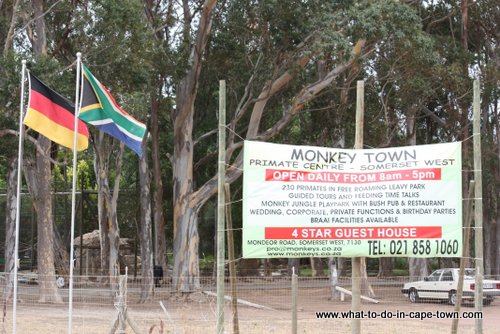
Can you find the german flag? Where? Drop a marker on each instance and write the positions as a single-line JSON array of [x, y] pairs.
[[53, 116]]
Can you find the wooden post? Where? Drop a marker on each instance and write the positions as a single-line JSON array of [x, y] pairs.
[[465, 251], [478, 206], [295, 291], [230, 255], [356, 294], [220, 207], [356, 261], [122, 318]]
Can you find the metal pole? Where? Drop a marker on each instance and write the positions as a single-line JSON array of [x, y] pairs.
[[356, 261], [221, 207], [73, 194], [478, 207], [18, 195]]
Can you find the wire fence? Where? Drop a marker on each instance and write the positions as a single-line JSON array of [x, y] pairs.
[[264, 306]]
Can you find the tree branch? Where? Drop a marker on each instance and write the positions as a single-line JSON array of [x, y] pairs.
[[34, 141], [309, 92], [10, 34], [118, 173], [188, 85], [305, 95], [433, 116]]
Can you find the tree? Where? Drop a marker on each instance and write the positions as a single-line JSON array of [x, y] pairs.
[[159, 20], [109, 230], [10, 227], [115, 23], [38, 173], [287, 75], [158, 213], [186, 203], [12, 172], [145, 229], [38, 178]]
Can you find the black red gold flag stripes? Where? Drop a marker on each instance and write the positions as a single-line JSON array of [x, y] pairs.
[[53, 116]]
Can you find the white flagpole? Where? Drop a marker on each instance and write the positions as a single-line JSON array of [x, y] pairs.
[[18, 198], [73, 193]]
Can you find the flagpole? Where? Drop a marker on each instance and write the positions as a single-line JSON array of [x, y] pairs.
[[73, 193], [18, 195]]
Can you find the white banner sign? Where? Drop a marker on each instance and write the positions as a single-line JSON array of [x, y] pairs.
[[303, 201]]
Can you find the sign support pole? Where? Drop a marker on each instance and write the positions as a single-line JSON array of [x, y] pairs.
[[465, 251], [295, 292], [221, 201], [478, 206], [356, 261]]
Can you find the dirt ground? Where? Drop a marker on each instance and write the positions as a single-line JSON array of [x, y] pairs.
[[198, 315]]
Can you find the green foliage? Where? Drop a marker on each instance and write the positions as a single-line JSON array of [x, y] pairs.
[[10, 78], [207, 263], [112, 33], [63, 175]]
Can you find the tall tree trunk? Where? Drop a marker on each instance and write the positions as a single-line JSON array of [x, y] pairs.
[[419, 267], [186, 239], [101, 168], [496, 270], [159, 217], [145, 230], [10, 34], [386, 264], [490, 116], [385, 267], [107, 207], [497, 192], [38, 179], [187, 202], [10, 227], [40, 44], [160, 241], [185, 276], [463, 106], [61, 255]]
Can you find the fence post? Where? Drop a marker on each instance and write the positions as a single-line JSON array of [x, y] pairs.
[[122, 317], [294, 301]]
